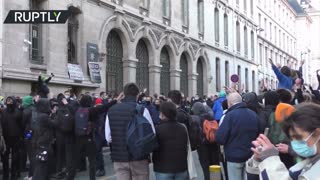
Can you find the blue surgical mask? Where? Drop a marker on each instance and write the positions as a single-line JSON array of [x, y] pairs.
[[302, 149]]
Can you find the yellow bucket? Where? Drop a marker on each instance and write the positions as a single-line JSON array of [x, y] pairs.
[[215, 169]]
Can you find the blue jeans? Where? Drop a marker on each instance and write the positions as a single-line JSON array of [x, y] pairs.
[[236, 171], [172, 176]]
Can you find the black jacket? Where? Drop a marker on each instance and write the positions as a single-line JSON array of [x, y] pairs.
[[26, 118], [119, 117], [11, 121], [43, 89], [42, 126], [171, 156]]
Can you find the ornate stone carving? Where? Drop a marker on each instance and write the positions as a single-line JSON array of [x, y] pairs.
[[178, 41], [157, 33], [134, 26]]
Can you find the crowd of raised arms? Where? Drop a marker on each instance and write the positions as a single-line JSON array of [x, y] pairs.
[[267, 136]]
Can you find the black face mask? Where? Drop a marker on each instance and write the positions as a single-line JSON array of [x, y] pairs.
[[148, 103], [157, 107]]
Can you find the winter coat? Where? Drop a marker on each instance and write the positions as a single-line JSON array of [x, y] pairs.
[[285, 82], [171, 156], [217, 108], [272, 169], [43, 89], [11, 121], [239, 128], [42, 126]]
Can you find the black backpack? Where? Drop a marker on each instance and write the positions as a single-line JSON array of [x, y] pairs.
[[66, 119], [194, 130], [83, 126], [141, 140]]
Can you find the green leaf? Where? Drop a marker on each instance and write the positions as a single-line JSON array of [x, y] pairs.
[[55, 14]]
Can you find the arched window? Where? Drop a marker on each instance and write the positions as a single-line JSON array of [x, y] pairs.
[[226, 30], [252, 45], [218, 75], [185, 12], [238, 36], [184, 75], [216, 24], [200, 77], [200, 16], [245, 34], [165, 72], [114, 69], [142, 77]]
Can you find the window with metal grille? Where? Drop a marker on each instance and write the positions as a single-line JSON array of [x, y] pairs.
[[36, 37], [73, 27], [200, 77], [184, 75], [165, 72], [114, 69], [142, 77]]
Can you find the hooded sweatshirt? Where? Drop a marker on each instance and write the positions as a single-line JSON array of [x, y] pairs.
[[42, 125], [12, 120]]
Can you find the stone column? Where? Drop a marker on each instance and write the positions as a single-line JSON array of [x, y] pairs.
[[129, 70], [192, 81], [175, 79], [154, 79]]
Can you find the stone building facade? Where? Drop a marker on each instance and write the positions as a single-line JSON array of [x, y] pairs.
[[276, 38], [190, 45]]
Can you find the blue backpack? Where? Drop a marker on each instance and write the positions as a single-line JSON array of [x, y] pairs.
[[141, 140], [83, 126]]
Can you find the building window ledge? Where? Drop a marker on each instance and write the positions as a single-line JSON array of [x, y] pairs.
[[185, 29], [144, 11], [201, 35], [226, 48], [166, 20], [217, 43]]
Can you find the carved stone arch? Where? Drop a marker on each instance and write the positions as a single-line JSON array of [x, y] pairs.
[[162, 39], [149, 42], [189, 57], [128, 29], [109, 25], [203, 56], [170, 48]]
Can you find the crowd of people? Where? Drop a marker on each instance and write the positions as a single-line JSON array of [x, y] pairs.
[[251, 136]]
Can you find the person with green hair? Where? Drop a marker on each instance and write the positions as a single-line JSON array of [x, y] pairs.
[[43, 89]]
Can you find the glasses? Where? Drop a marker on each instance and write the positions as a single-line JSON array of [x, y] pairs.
[[307, 139]]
